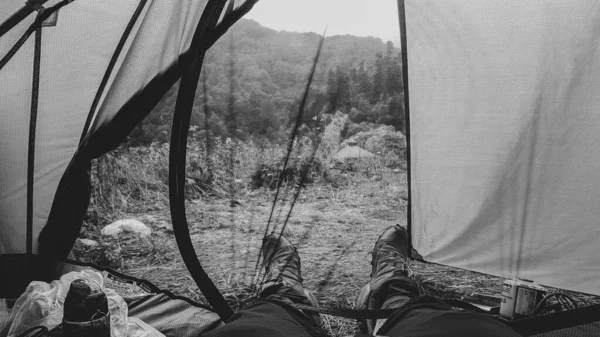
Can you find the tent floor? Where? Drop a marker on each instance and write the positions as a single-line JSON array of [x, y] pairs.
[[170, 314]]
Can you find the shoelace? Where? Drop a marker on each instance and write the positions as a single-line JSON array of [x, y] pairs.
[[398, 262]]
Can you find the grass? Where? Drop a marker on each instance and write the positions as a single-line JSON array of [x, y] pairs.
[[334, 223]]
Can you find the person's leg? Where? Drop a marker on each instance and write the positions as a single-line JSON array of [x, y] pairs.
[[426, 316], [390, 285], [267, 318], [273, 314], [417, 315]]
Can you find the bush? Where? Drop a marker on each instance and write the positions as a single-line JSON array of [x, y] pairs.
[[354, 128], [133, 178], [357, 116], [298, 171]]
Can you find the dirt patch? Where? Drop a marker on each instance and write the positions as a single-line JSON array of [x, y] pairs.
[[334, 230]]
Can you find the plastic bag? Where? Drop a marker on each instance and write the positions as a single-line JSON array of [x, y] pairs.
[[137, 328], [4, 313], [43, 303]]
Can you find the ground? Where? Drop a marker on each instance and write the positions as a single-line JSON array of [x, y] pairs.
[[333, 228]]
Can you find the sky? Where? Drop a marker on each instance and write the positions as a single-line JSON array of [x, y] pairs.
[[378, 18]]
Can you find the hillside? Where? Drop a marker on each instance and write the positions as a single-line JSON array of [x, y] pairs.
[[269, 69]]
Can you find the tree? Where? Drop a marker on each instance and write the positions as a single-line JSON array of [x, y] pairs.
[[389, 54], [344, 97], [392, 113], [364, 82], [339, 89], [378, 79], [394, 82], [354, 74], [332, 84], [270, 72]]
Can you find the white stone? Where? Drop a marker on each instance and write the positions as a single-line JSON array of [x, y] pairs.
[[87, 242], [127, 225]]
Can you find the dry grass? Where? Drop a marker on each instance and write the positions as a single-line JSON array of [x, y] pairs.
[[334, 224]]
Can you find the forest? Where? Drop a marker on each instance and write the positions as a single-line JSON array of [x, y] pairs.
[[255, 76]]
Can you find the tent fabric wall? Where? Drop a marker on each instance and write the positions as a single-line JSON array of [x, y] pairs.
[[75, 54], [505, 120]]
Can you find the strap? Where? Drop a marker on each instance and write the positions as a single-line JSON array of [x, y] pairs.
[[42, 15], [20, 15], [35, 4], [361, 314], [455, 303]]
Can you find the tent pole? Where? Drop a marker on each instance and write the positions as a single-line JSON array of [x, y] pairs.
[[230, 18], [35, 89], [177, 158], [403, 43]]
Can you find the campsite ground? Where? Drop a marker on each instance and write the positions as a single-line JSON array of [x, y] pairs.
[[334, 224], [333, 228]]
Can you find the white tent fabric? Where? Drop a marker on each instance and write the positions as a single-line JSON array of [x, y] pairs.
[[505, 137], [74, 57]]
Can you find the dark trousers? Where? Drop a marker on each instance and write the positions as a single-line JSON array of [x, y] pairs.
[[422, 316], [268, 318], [426, 316]]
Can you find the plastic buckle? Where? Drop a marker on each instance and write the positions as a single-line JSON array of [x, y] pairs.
[[35, 4]]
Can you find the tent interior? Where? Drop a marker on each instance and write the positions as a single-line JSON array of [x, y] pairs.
[[501, 132]]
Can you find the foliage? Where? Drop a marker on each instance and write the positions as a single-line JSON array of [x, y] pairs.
[[131, 178], [254, 76]]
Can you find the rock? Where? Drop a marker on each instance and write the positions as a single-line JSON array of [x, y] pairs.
[[352, 152], [127, 225], [383, 140], [87, 242], [128, 237]]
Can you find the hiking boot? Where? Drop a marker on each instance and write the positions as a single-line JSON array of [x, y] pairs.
[[283, 280], [390, 285]]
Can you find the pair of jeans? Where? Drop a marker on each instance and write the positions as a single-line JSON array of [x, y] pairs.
[[268, 318], [421, 316]]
